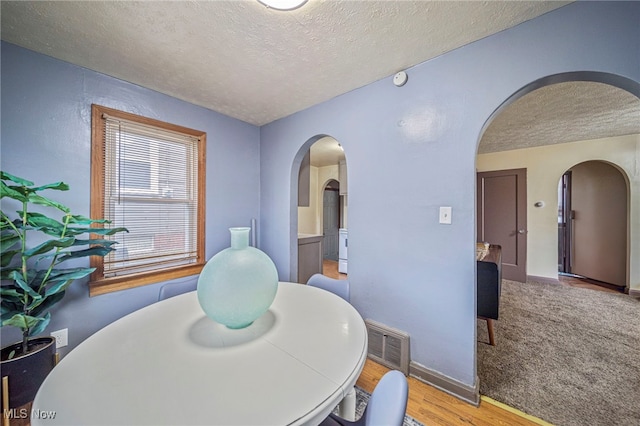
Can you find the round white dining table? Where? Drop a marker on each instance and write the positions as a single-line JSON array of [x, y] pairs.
[[169, 364]]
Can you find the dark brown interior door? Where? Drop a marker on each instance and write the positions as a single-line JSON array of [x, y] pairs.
[[502, 218], [599, 203]]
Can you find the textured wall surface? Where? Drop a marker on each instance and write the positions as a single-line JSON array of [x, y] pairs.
[[545, 165], [413, 149], [46, 137]]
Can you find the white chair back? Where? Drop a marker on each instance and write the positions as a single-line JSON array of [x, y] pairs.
[[338, 287]]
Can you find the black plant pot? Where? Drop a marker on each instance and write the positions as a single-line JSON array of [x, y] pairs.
[[27, 372]]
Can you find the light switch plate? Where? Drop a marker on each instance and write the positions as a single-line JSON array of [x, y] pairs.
[[445, 215]]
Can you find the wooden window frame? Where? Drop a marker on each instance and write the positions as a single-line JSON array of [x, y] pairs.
[[98, 283]]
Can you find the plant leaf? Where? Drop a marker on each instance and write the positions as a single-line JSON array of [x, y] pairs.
[[52, 295], [9, 308], [21, 321], [116, 230], [59, 278], [50, 245], [98, 231], [40, 220], [9, 293], [54, 232], [15, 179], [44, 201], [60, 286], [93, 251], [5, 273], [34, 304], [40, 325], [58, 186], [47, 303], [7, 257], [17, 278], [68, 273], [5, 316], [95, 241], [108, 231], [8, 240], [5, 224], [83, 220], [11, 192]]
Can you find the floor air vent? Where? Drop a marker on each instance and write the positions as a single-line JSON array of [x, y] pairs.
[[388, 346]]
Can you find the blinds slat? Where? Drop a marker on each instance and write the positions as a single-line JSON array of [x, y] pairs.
[[145, 129], [151, 177]]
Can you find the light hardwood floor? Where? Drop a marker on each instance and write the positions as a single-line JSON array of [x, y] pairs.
[[432, 406], [330, 269]]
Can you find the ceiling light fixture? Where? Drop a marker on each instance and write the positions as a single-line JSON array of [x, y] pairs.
[[283, 4]]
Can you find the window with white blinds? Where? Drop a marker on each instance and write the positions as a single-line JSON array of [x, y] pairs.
[[150, 178]]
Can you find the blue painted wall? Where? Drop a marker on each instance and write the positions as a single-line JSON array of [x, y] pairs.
[[409, 151], [412, 149], [46, 137]]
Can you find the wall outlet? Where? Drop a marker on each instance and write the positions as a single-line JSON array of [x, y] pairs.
[[62, 337]]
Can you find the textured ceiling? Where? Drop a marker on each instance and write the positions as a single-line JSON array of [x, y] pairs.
[[250, 62], [560, 113], [258, 65]]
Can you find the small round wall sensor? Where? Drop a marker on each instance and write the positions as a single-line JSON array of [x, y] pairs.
[[400, 78]]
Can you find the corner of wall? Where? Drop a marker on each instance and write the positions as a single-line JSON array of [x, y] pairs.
[[466, 393]]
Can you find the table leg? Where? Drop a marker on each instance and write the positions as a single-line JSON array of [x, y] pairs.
[[347, 407], [492, 339]]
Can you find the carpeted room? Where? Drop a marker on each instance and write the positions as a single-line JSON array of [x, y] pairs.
[[570, 356]]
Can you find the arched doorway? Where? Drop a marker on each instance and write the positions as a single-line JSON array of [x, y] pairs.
[[546, 128], [545, 163], [592, 223], [322, 207]]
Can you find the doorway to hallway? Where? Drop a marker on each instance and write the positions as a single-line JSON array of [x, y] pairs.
[[331, 220], [592, 223]]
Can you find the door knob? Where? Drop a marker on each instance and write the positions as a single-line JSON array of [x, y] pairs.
[[521, 231]]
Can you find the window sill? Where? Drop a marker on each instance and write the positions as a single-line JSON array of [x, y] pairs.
[[110, 285]]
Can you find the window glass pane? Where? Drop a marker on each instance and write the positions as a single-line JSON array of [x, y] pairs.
[[136, 174], [151, 180]]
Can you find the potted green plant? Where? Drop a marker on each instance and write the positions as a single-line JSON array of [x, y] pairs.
[[32, 277]]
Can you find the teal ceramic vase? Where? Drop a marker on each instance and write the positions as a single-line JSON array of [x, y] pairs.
[[238, 284]]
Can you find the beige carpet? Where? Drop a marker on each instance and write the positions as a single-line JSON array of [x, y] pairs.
[[570, 356]]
